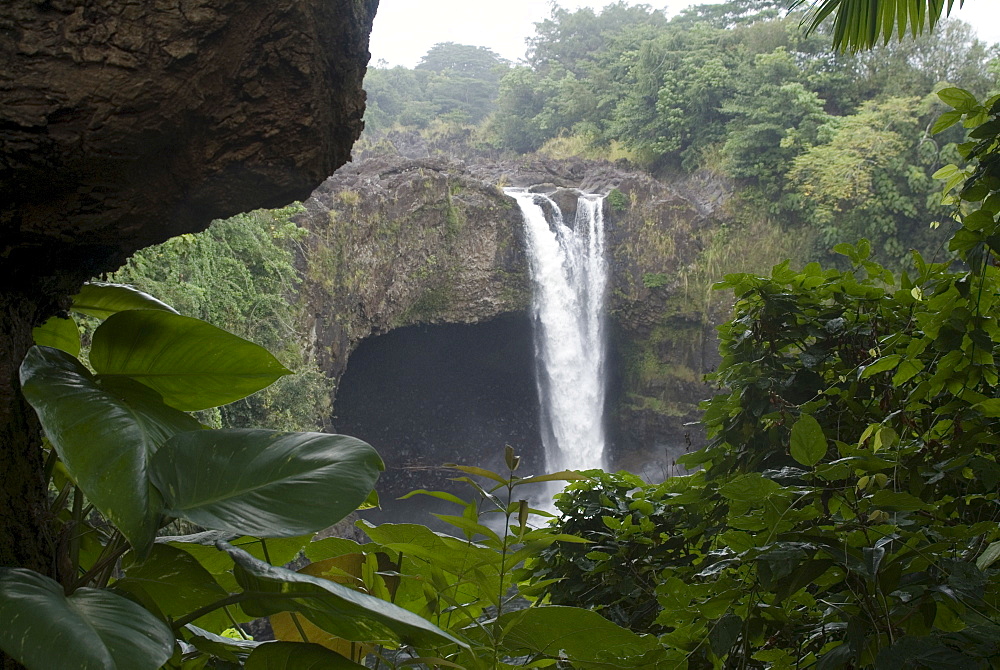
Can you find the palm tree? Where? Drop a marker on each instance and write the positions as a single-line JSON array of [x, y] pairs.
[[861, 24]]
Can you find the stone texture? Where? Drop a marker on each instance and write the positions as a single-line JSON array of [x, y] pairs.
[[397, 241], [125, 123]]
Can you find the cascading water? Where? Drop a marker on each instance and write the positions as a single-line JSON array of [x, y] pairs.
[[569, 277]]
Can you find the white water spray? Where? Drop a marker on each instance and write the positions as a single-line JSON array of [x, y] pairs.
[[569, 277]]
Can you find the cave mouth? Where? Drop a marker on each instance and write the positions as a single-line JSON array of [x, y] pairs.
[[427, 395]]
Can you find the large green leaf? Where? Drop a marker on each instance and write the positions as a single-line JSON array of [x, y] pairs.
[[583, 637], [263, 482], [808, 443], [102, 300], [58, 333], [202, 546], [449, 553], [337, 609], [227, 648], [173, 582], [297, 656], [89, 630], [105, 432], [192, 364]]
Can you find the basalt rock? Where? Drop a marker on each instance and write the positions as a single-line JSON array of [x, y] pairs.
[[124, 124], [396, 242]]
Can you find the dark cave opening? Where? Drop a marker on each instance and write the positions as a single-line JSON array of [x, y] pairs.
[[428, 395]]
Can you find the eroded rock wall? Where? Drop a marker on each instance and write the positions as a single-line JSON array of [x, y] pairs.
[[396, 242], [125, 123]]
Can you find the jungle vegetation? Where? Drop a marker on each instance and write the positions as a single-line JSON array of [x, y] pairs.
[[832, 142], [844, 513]]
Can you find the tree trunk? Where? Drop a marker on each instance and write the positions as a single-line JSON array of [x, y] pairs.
[[24, 526]]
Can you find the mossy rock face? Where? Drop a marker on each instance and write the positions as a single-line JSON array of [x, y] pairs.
[[397, 242]]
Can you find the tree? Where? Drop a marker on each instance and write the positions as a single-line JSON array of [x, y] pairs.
[[870, 176]]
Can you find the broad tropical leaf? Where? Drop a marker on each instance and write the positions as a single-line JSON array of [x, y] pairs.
[[262, 482], [349, 614], [449, 553], [192, 364], [58, 333], [297, 656], [808, 444], [173, 582], [579, 635], [862, 24], [101, 300], [226, 648], [105, 432], [88, 630], [290, 627]]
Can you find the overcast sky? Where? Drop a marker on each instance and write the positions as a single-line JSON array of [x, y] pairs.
[[405, 29]]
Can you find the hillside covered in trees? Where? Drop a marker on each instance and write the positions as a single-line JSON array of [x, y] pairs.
[[832, 142]]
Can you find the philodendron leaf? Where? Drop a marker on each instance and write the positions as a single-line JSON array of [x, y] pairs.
[[102, 300], [58, 333], [297, 656], [105, 433], [581, 636], [172, 579], [226, 648], [263, 482], [91, 629], [192, 364], [334, 608]]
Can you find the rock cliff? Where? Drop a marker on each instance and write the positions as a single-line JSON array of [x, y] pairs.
[[397, 242]]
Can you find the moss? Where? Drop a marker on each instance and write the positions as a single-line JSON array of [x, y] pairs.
[[349, 198], [617, 201], [431, 304], [453, 219], [655, 279], [645, 403], [514, 290]]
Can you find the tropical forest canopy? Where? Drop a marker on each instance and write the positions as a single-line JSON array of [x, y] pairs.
[[814, 137]]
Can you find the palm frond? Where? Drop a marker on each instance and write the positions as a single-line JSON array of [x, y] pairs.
[[862, 24]]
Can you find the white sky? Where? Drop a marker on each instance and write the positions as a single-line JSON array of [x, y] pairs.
[[405, 29]]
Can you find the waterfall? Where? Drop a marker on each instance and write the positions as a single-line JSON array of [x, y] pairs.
[[569, 277]]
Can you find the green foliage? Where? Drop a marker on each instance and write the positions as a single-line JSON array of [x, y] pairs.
[[631, 533], [96, 629], [617, 200], [125, 460], [655, 279], [974, 191], [851, 461], [455, 81], [870, 176], [240, 275], [861, 25], [471, 584], [845, 513]]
